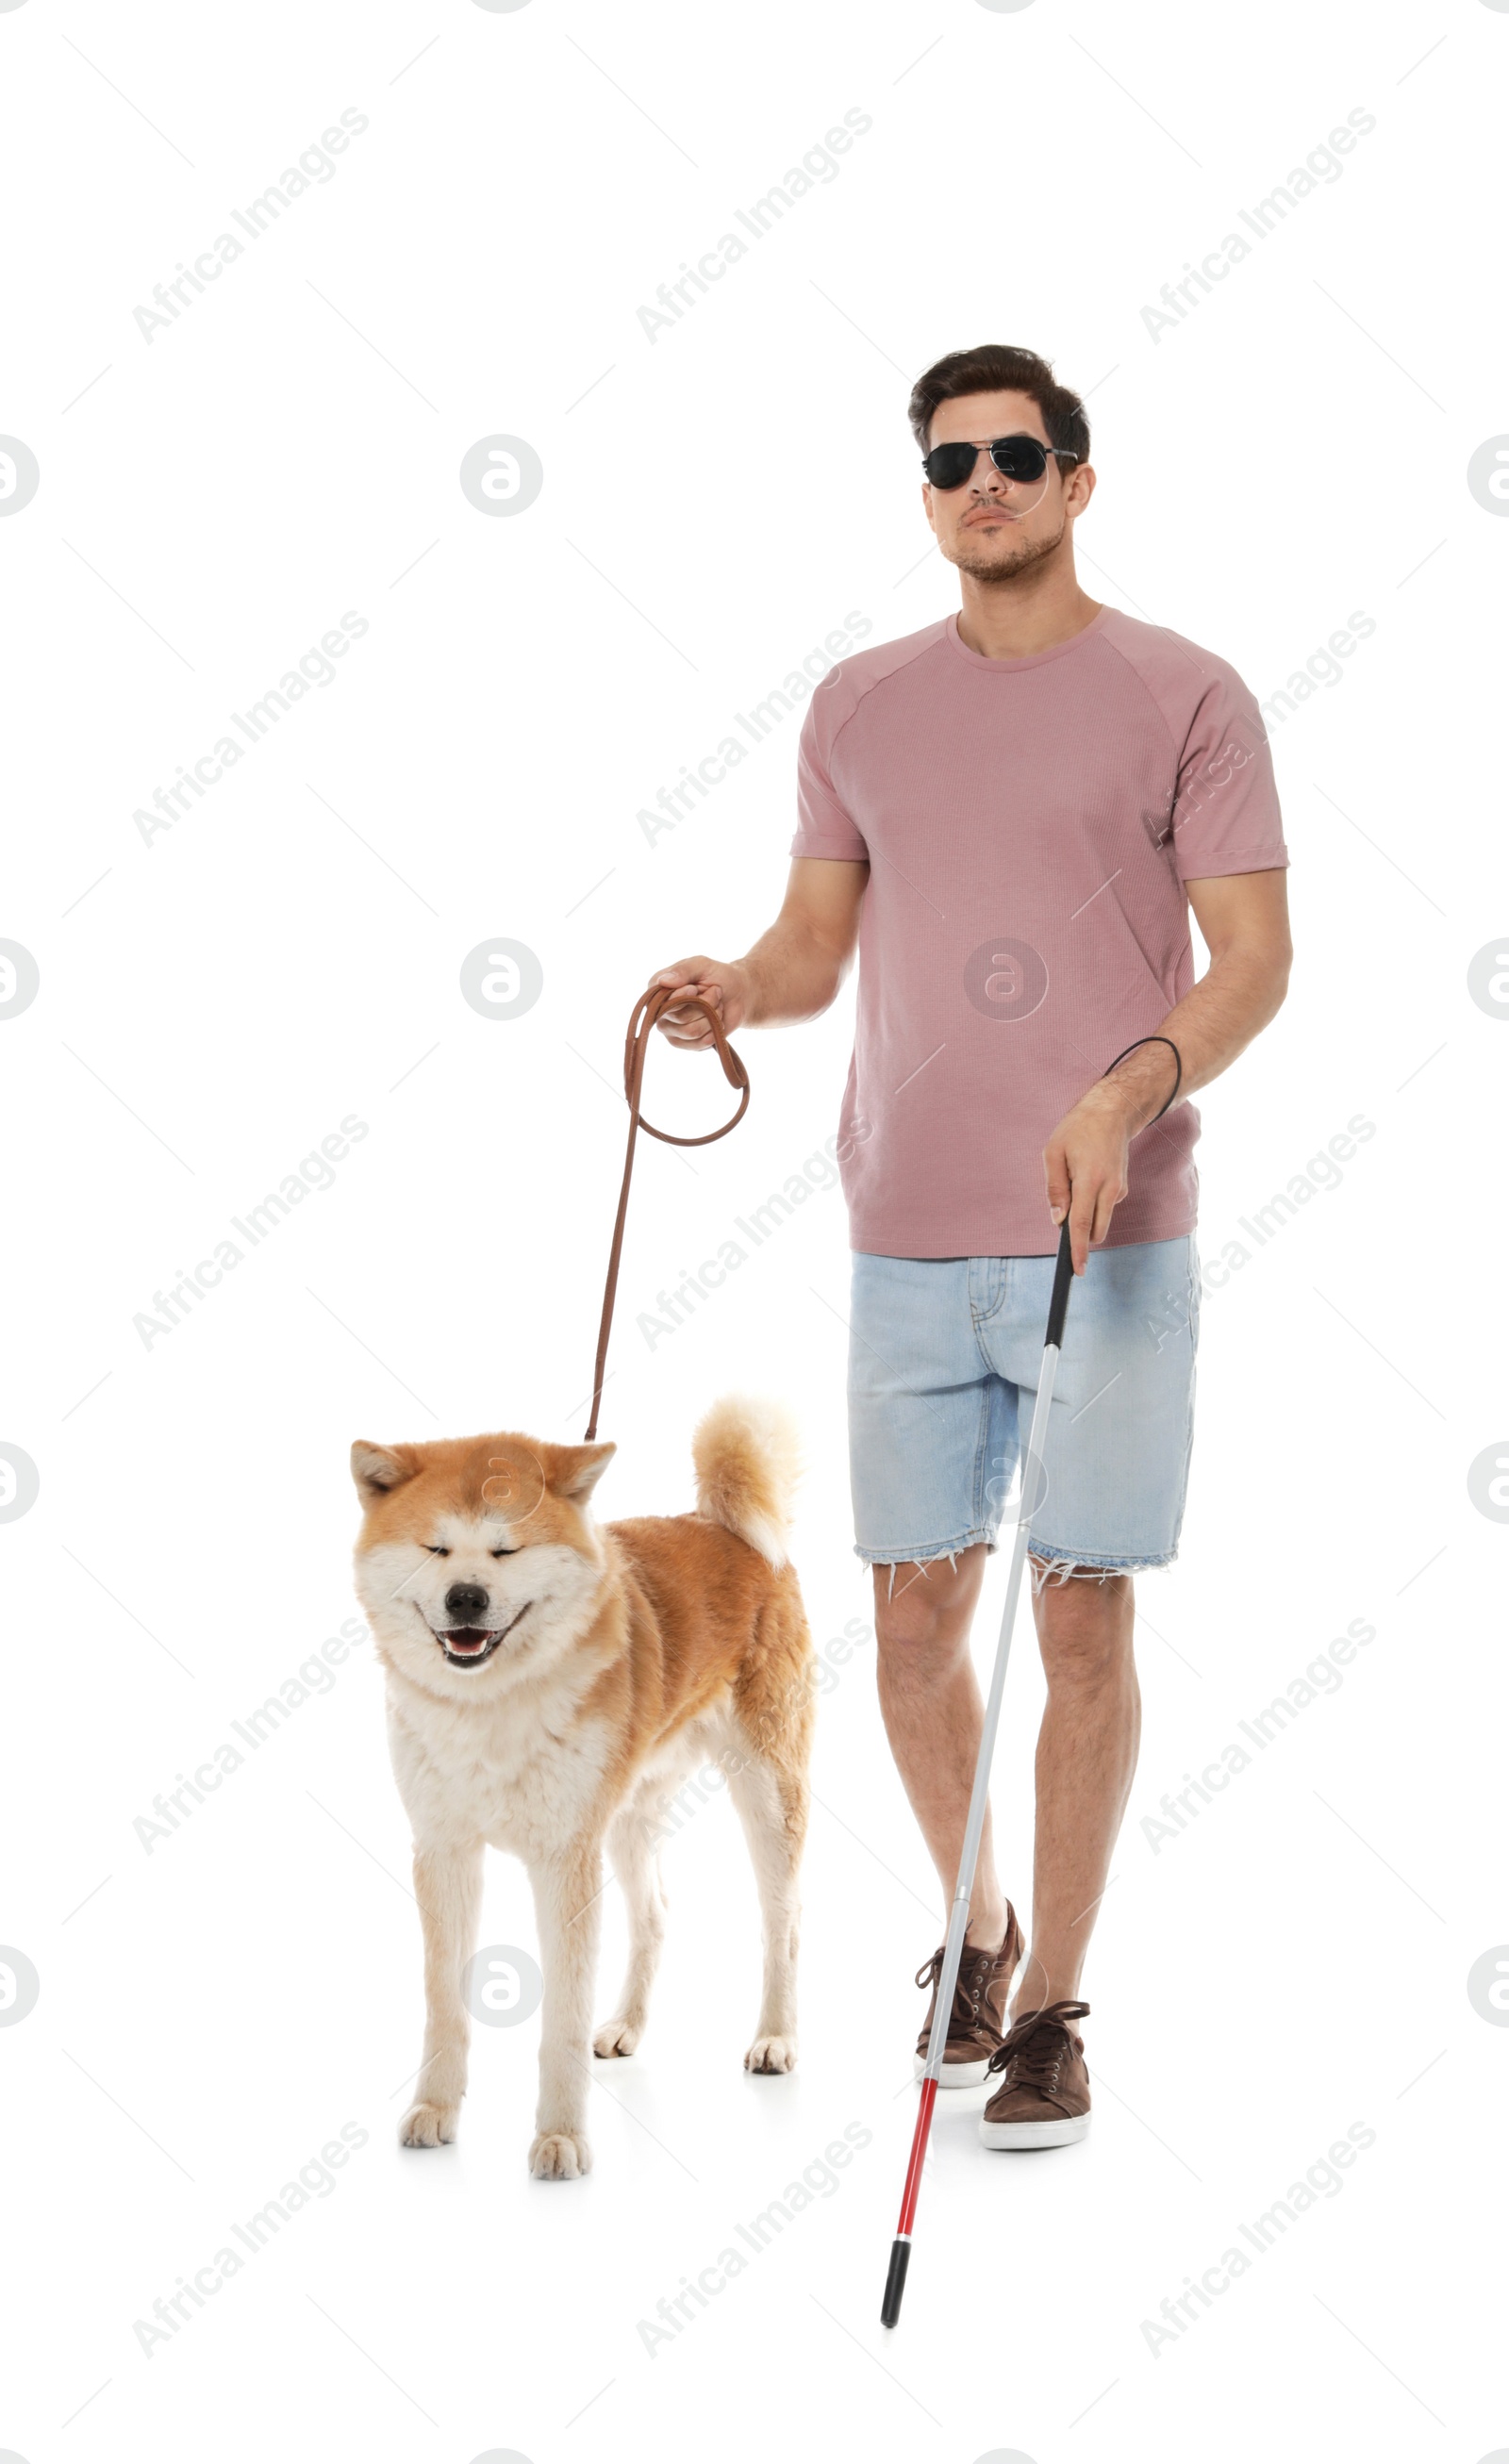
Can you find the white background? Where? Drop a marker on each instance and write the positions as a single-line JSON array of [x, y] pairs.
[[214, 1002]]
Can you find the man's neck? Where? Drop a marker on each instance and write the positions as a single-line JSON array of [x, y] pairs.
[[1003, 623]]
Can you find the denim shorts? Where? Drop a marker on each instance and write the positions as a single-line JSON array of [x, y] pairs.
[[945, 1356]]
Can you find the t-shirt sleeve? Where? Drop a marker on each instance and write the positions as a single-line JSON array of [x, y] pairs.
[[823, 826], [1226, 816]]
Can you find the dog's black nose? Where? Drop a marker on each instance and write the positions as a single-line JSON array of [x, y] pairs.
[[466, 1603]]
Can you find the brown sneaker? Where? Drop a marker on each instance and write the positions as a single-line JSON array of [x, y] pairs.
[[977, 2022], [1044, 2097]]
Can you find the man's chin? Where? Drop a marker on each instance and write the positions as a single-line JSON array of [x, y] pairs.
[[996, 555]]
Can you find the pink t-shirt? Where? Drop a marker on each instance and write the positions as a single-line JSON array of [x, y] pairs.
[[1029, 824]]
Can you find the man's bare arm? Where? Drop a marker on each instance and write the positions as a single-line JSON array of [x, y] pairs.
[[1244, 918], [792, 971]]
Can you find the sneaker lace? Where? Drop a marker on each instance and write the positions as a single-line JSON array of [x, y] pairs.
[[1034, 2051], [975, 1969]]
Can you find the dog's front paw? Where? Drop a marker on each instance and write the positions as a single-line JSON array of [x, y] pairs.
[[559, 2156], [616, 2037], [771, 2053], [429, 2125]]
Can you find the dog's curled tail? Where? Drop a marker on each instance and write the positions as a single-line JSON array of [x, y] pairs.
[[747, 1455]]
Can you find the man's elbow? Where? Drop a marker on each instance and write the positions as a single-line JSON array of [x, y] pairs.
[[1281, 964], [1257, 970], [1264, 952], [1271, 974], [830, 958]]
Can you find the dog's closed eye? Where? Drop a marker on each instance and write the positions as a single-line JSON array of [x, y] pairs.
[[435, 1551], [504, 1553]]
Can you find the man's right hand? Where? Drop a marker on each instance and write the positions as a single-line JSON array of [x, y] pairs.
[[794, 970], [720, 982]]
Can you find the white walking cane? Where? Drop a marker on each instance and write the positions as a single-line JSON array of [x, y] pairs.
[[1033, 1485]]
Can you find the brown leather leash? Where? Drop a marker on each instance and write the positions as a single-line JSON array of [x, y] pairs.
[[641, 1025]]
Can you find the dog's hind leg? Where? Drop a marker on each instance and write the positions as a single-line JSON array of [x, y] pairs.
[[567, 1894], [772, 1806], [448, 1885], [632, 1847]]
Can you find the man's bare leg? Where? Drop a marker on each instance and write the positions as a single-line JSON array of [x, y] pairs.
[[1086, 1748], [1086, 1756], [933, 1711]]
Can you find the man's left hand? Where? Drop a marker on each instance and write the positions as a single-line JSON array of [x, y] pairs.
[[1085, 1160]]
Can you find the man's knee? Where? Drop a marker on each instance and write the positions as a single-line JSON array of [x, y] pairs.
[[1084, 1623], [924, 1609]]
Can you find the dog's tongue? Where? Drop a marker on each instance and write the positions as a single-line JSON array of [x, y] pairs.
[[464, 1639]]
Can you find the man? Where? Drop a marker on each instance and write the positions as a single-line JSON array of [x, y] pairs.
[[1011, 813]]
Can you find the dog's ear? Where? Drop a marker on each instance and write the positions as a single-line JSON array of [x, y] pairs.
[[576, 1470], [376, 1469]]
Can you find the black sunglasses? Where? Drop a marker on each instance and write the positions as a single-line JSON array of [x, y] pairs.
[[1015, 457]]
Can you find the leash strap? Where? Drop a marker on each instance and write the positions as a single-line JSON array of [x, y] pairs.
[[646, 1011]]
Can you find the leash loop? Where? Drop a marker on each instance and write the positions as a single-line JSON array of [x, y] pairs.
[[642, 1019]]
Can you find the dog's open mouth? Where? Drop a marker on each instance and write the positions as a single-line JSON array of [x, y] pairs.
[[467, 1646]]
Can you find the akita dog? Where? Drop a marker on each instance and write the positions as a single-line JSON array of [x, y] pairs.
[[550, 1684]]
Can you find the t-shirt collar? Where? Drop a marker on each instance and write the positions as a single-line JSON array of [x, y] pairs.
[[1036, 659]]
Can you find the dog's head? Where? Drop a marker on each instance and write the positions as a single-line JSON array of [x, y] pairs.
[[476, 1555]]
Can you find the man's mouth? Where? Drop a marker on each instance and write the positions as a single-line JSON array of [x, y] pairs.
[[467, 1646]]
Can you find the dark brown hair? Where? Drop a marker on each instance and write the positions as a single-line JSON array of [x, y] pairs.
[[1001, 367]]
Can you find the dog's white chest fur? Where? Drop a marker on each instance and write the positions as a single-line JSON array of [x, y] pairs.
[[510, 1773]]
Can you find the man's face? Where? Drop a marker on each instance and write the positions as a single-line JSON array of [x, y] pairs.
[[993, 527]]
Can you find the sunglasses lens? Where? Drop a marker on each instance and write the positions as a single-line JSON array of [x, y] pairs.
[[950, 466], [1019, 457], [1015, 457]]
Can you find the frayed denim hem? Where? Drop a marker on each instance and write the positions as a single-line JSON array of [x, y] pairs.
[[1045, 1566], [1048, 1565], [927, 1555]]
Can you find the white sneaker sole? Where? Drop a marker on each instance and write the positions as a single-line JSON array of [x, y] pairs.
[[952, 2074], [1061, 2133]]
